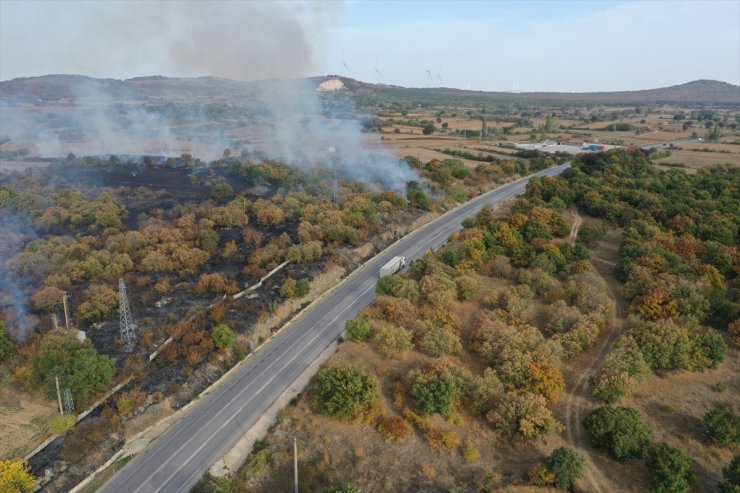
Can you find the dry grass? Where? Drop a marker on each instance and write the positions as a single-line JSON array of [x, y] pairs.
[[674, 404], [23, 423], [695, 160], [282, 313]]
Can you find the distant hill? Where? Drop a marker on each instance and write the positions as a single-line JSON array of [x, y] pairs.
[[697, 92], [61, 87]]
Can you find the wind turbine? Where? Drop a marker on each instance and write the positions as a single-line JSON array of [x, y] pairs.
[[344, 65], [377, 72], [439, 78], [429, 76]]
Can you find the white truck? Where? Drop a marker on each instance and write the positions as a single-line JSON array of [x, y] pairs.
[[392, 266]]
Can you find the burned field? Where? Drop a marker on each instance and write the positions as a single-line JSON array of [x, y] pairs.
[[214, 259], [185, 239]]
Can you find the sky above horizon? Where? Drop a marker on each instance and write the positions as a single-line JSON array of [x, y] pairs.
[[530, 45]]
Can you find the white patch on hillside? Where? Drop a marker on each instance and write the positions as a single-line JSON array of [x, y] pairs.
[[331, 85]]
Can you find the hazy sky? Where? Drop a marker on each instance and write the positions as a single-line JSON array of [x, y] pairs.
[[488, 45]]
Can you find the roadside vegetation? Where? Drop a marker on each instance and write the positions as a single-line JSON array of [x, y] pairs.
[[477, 335], [182, 261]]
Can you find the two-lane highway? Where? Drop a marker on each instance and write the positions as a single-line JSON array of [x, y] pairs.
[[177, 460]]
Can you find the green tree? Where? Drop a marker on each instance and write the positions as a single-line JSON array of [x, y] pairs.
[[89, 374], [714, 134], [302, 288], [76, 363], [223, 336], [619, 430], [358, 329], [429, 129], [7, 346], [722, 426], [432, 393], [731, 474], [671, 469], [416, 196], [342, 392], [566, 465]]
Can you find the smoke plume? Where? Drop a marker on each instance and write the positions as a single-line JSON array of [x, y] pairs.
[[13, 294]]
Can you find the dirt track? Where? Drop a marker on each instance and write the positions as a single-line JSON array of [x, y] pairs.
[[578, 400]]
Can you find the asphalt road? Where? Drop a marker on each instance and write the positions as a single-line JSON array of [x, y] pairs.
[[178, 459]]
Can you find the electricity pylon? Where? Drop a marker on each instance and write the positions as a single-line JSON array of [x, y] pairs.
[[128, 336], [69, 403]]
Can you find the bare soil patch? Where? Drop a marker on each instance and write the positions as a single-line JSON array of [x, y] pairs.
[[25, 422]]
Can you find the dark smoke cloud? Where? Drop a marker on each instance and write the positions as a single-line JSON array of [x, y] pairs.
[[13, 290]]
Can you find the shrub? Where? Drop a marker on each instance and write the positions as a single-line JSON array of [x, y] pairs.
[[722, 426], [15, 476], [393, 340], [130, 401], [590, 234], [671, 469], [342, 392], [302, 288], [99, 302], [215, 283], [60, 424], [222, 191], [399, 287], [439, 341], [358, 329], [394, 428], [540, 475], [618, 430], [223, 336], [470, 453], [620, 373], [444, 440], [7, 347], [731, 474], [566, 466], [467, 288], [432, 393], [525, 414], [347, 488]]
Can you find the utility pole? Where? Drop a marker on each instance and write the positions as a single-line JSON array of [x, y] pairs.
[[295, 462], [59, 396], [66, 311], [128, 335]]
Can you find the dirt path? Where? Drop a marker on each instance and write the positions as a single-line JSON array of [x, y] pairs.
[[574, 227], [578, 399]]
